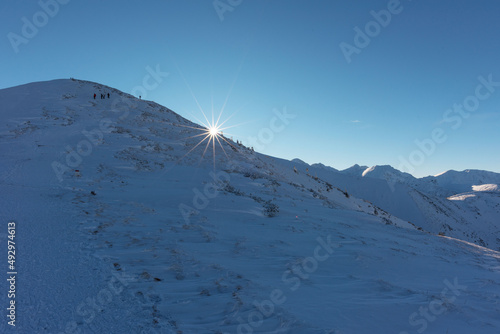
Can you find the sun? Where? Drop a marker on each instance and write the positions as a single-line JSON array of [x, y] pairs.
[[210, 133], [213, 130]]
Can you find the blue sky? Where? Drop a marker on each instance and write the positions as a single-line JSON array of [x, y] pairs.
[[265, 57]]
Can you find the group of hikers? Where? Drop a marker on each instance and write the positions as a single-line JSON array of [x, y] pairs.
[[103, 96]]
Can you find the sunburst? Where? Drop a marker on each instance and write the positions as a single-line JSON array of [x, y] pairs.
[[212, 134], [211, 131]]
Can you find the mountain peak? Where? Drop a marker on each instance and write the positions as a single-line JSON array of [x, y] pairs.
[[355, 170], [300, 162], [385, 172]]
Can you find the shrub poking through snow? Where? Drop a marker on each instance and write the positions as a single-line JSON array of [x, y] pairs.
[[270, 209]]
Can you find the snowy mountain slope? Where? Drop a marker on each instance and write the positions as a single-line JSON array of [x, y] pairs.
[[147, 239], [488, 188], [424, 202], [474, 221], [459, 182]]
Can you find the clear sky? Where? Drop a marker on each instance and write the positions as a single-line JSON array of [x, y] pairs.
[[364, 80]]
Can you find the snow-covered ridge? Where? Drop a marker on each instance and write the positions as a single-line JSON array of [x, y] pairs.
[[387, 172], [437, 204], [463, 181], [150, 237]]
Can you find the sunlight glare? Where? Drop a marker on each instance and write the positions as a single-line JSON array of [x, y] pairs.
[[213, 130]]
